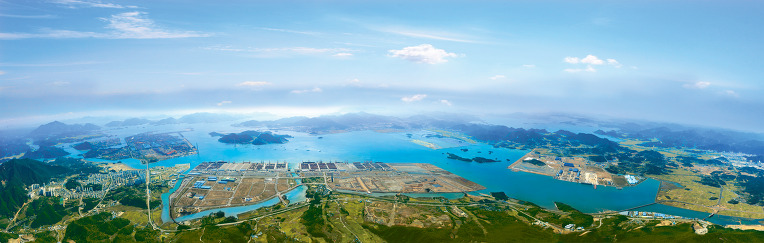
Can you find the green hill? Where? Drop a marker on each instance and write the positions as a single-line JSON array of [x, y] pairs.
[[16, 175]]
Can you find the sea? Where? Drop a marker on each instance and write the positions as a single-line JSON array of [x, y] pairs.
[[397, 147]]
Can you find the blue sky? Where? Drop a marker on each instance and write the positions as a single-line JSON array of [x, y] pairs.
[[694, 62]]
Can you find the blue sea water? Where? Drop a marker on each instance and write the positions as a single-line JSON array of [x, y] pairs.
[[398, 148]]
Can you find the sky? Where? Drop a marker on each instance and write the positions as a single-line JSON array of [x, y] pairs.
[[693, 62]]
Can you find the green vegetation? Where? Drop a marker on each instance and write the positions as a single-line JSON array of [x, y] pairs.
[[45, 237], [712, 181], [409, 234], [132, 196], [574, 217], [252, 137], [642, 162], [4, 237], [72, 184], [535, 162], [752, 185], [476, 159], [484, 160], [690, 161], [213, 233], [94, 187], [18, 174], [90, 203], [45, 152], [105, 228], [499, 195], [457, 157], [46, 211], [313, 218]]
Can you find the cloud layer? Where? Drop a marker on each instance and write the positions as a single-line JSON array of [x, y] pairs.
[[424, 53], [413, 98], [128, 25]]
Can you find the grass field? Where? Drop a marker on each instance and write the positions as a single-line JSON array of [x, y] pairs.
[[697, 193]]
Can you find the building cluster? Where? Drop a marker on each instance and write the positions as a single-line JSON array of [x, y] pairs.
[[741, 160], [332, 166], [631, 179], [223, 166], [650, 215], [572, 227], [110, 180], [106, 143]]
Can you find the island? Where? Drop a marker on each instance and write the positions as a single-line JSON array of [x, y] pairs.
[[251, 137]]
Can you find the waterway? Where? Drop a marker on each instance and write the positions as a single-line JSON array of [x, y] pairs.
[[398, 148]]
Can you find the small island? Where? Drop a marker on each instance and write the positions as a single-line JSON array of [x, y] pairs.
[[251, 137], [476, 159]]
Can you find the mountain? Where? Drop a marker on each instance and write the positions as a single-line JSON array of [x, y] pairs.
[[672, 135], [128, 122], [17, 174], [60, 129], [166, 121], [13, 142], [252, 137], [45, 152], [206, 117], [358, 121]]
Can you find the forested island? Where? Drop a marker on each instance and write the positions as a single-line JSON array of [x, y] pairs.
[[251, 137]]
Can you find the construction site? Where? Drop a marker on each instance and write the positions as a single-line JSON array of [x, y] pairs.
[[221, 184], [572, 169], [377, 177]]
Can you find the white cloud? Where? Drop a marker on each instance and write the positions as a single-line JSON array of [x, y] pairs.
[[314, 90], [571, 60], [338, 52], [588, 68], [48, 33], [253, 83], [529, 66], [497, 77], [416, 97], [697, 85], [290, 31], [128, 25], [731, 93], [224, 102], [446, 102], [46, 16], [591, 59], [135, 25], [427, 35], [59, 64], [343, 54], [614, 63], [424, 53], [89, 4]]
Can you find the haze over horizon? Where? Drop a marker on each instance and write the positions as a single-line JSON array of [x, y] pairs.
[[680, 61]]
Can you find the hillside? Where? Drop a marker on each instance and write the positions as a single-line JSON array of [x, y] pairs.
[[18, 174]]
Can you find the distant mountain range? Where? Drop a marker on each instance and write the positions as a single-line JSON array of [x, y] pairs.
[[358, 121], [202, 117], [60, 129], [671, 135]]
